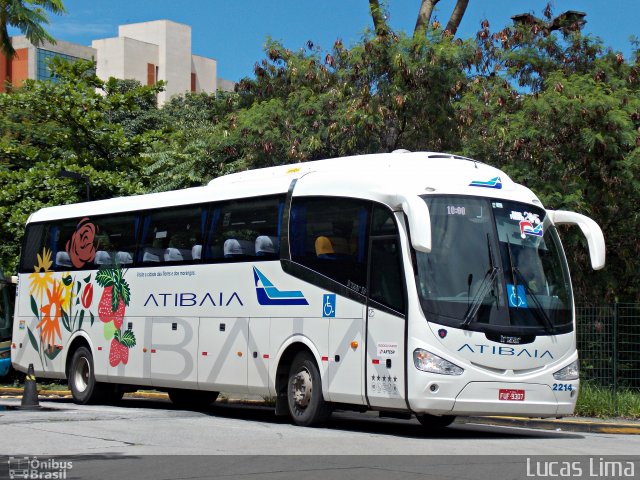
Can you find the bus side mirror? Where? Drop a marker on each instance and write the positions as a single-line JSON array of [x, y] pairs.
[[417, 212], [590, 229]]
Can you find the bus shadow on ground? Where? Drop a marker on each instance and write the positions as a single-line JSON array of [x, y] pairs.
[[353, 422]]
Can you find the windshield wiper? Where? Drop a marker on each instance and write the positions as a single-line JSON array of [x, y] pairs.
[[539, 312], [487, 283]]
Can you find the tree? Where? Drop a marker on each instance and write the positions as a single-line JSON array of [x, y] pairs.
[[456, 16], [422, 21], [383, 94], [28, 16], [560, 113], [69, 123]]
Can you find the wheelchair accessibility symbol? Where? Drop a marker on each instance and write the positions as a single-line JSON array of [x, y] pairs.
[[329, 305], [517, 297]]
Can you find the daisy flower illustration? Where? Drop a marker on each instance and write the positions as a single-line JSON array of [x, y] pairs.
[[42, 276]]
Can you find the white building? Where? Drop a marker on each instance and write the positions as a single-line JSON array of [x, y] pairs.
[[157, 50]]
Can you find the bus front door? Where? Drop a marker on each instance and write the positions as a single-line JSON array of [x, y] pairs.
[[385, 364]]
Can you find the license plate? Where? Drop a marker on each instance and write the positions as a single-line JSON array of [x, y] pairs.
[[511, 395]]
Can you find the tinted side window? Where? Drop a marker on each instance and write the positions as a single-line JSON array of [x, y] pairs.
[[386, 279], [116, 239], [245, 230], [80, 243], [329, 235], [173, 235], [32, 246]]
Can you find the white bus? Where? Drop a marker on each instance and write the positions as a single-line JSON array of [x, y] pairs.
[[409, 283]]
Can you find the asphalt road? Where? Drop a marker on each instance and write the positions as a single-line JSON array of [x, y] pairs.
[[145, 436]]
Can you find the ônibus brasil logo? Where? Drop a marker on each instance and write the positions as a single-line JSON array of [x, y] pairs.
[[268, 294]]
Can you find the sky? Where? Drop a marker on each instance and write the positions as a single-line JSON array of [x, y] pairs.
[[233, 32]]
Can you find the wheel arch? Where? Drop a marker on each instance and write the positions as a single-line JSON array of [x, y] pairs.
[[77, 340], [285, 357]]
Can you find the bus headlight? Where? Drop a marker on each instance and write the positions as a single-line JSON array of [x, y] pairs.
[[428, 362], [570, 372]]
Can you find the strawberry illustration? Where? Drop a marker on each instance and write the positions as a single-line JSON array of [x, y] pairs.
[[115, 296], [105, 308], [120, 345]]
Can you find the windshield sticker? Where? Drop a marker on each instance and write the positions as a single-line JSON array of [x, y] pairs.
[[530, 223], [517, 296], [526, 228], [495, 182]]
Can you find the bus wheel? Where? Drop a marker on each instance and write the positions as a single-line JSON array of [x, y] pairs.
[[434, 422], [192, 398], [304, 392], [82, 381]]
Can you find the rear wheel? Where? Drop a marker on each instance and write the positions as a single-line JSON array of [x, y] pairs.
[[434, 422], [82, 381], [192, 398], [304, 392]]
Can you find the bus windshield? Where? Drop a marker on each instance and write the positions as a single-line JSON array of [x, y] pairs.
[[495, 266]]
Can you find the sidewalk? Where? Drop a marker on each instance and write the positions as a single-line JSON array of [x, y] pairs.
[[568, 424]]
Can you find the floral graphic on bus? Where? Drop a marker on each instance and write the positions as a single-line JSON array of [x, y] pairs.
[[42, 276], [51, 313], [111, 309], [64, 300], [80, 247]]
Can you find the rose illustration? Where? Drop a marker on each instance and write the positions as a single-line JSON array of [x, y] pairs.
[[87, 295], [80, 248]]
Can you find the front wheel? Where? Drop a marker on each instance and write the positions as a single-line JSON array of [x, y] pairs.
[[434, 422], [304, 392]]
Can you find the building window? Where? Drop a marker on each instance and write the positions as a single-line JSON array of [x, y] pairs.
[[151, 74], [193, 82], [44, 59]]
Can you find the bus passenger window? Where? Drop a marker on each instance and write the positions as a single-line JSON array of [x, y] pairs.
[[245, 230], [330, 236], [169, 236]]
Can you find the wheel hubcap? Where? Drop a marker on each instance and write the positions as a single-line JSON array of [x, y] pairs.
[[302, 387], [81, 377]]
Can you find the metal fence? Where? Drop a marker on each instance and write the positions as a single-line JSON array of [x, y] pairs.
[[609, 345]]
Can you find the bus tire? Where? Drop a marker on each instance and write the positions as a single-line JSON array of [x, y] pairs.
[[435, 422], [192, 398], [304, 392], [82, 381]]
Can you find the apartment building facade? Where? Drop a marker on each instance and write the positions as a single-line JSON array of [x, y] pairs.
[[147, 52]]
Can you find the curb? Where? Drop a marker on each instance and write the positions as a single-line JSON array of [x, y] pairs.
[[565, 425], [67, 393]]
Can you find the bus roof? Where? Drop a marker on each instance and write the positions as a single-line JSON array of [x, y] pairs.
[[375, 177]]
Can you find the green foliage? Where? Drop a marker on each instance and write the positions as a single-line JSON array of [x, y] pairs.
[[28, 16], [67, 124], [380, 95], [552, 107], [602, 402], [562, 117]]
